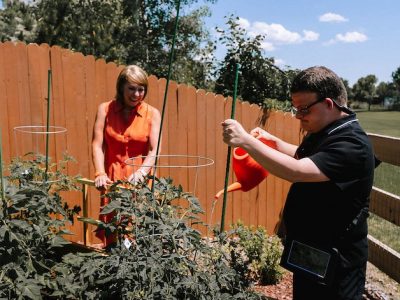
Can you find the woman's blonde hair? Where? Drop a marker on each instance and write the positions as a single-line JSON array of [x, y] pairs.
[[131, 74]]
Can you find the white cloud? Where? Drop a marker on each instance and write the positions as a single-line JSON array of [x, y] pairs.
[[277, 34], [331, 17], [348, 37], [244, 23], [267, 46], [310, 35], [279, 62], [352, 37]]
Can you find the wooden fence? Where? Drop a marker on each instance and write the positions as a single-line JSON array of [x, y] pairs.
[[386, 206], [191, 127]]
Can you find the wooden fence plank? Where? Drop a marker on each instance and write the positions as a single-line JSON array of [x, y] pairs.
[[181, 134], [385, 205], [271, 180], [220, 160], [386, 148], [164, 172], [173, 134], [193, 173], [212, 217], [15, 106], [58, 100], [247, 201], [383, 257], [4, 115], [201, 119]]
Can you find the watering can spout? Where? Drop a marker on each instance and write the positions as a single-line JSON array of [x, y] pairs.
[[233, 187]]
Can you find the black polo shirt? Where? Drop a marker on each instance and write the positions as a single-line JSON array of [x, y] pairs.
[[320, 212]]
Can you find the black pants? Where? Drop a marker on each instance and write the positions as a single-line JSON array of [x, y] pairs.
[[348, 285]]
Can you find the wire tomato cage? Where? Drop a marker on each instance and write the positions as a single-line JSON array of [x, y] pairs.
[[184, 169], [38, 143]]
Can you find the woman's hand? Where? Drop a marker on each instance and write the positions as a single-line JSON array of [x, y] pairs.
[[233, 133], [137, 176], [102, 180]]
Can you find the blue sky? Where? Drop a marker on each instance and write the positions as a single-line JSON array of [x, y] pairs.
[[354, 38]]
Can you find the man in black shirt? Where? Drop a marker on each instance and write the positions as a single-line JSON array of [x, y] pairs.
[[332, 173]]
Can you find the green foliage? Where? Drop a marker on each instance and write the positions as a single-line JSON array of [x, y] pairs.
[[124, 31], [158, 254], [364, 88], [260, 79], [386, 89], [263, 253], [16, 22], [166, 258], [396, 78], [32, 222]]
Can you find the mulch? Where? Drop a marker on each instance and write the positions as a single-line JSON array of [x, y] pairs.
[[280, 291]]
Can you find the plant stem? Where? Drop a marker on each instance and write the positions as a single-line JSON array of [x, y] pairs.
[[48, 122]]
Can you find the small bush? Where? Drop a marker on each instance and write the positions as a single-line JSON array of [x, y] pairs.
[[263, 253], [29, 232]]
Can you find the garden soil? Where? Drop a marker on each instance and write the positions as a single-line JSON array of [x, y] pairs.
[[378, 287]]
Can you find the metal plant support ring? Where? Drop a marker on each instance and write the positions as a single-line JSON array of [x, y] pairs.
[[39, 129], [164, 162], [33, 140]]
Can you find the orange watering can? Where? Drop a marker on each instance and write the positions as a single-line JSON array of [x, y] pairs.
[[249, 173]]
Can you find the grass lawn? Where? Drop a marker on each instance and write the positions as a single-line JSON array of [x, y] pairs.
[[387, 177]]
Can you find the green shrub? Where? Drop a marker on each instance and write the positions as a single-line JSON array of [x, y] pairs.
[[263, 253], [157, 255], [29, 231]]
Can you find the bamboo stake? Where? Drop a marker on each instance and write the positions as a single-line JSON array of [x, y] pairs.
[[171, 55], [48, 122], [228, 158], [3, 196]]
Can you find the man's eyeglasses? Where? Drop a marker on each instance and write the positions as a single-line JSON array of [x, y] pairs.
[[304, 110]]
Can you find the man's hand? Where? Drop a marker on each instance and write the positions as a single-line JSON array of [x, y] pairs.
[[233, 133], [262, 133]]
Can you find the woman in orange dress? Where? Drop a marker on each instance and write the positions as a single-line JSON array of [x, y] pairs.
[[126, 127]]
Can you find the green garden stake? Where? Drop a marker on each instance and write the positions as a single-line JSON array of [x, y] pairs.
[[228, 158], [3, 197], [171, 56], [48, 123]]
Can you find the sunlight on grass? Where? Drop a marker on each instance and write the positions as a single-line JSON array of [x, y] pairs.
[[387, 176], [384, 231], [380, 122]]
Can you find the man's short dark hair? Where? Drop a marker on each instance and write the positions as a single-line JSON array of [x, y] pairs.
[[322, 81]]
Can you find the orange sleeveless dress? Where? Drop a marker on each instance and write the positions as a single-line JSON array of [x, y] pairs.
[[123, 139]]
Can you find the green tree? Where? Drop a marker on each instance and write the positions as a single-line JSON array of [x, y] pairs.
[[260, 79], [348, 88], [365, 89], [396, 78], [385, 89], [125, 31], [16, 21]]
